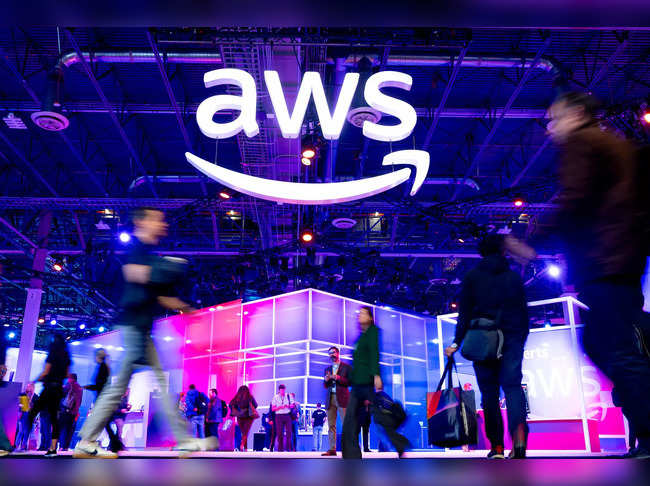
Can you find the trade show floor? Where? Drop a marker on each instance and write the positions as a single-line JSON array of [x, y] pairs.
[[161, 454]]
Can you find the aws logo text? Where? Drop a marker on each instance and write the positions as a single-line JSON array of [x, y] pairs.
[[331, 123]]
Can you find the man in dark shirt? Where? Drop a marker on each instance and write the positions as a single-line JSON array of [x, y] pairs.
[[492, 290], [603, 218], [366, 378], [317, 421], [148, 284]]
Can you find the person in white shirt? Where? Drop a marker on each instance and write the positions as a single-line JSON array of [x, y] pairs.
[[281, 405]]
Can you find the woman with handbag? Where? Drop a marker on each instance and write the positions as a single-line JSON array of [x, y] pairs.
[[493, 321], [244, 407]]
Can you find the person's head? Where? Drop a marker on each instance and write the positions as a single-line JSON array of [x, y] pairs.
[[334, 354], [213, 393], [100, 355], [192, 387], [243, 395], [29, 389], [318, 405], [72, 378], [365, 317], [282, 390], [58, 347], [569, 112], [149, 224], [491, 244]]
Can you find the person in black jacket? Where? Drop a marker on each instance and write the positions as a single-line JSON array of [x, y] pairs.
[[492, 290]]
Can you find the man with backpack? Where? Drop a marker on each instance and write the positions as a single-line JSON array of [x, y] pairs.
[[197, 407]]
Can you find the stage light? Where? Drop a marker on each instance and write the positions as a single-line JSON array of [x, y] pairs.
[[460, 240], [53, 321], [554, 271], [646, 117], [125, 237], [82, 326], [41, 320], [101, 329], [454, 305], [11, 335], [224, 195], [57, 267], [305, 161], [6, 325], [308, 152], [168, 338], [188, 341], [307, 237], [518, 202], [75, 343]]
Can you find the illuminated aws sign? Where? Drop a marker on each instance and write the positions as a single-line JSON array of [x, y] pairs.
[[331, 125]]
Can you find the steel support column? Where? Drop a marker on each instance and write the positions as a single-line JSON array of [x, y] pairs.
[[33, 303]]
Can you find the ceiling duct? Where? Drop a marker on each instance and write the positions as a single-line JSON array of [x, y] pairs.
[[50, 117]]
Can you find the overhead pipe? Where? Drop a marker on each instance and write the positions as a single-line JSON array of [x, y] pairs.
[[192, 179], [546, 64], [71, 58]]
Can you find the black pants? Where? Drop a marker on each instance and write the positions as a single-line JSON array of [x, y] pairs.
[[67, 422], [506, 374], [610, 342], [365, 420], [351, 425], [49, 401]]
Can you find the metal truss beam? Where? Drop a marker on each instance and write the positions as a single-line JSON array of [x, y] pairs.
[[497, 122], [592, 84], [445, 95], [116, 122]]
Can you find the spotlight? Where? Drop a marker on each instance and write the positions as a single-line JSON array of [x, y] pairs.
[[306, 161], [460, 240], [82, 326], [53, 321], [646, 117], [308, 152], [101, 329], [224, 195], [11, 335], [518, 202], [307, 236], [125, 237], [454, 305], [57, 267], [41, 320], [554, 271]]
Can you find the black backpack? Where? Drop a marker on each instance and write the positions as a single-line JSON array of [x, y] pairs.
[[201, 404]]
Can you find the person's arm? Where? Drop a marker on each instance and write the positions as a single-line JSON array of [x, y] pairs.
[[344, 375], [46, 371], [465, 305], [374, 358], [136, 273], [254, 402], [274, 405], [174, 303]]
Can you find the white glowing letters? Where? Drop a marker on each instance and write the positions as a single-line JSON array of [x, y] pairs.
[[246, 104], [311, 87]]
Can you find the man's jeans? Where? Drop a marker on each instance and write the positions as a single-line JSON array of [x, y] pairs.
[[612, 345], [318, 437], [198, 426], [111, 396]]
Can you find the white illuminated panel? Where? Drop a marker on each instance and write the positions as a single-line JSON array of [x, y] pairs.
[[311, 86], [389, 105], [327, 193], [246, 104]]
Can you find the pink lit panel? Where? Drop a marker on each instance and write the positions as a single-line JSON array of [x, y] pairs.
[[257, 323]]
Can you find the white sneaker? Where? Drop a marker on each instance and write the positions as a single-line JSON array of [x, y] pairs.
[[197, 445], [88, 450]]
